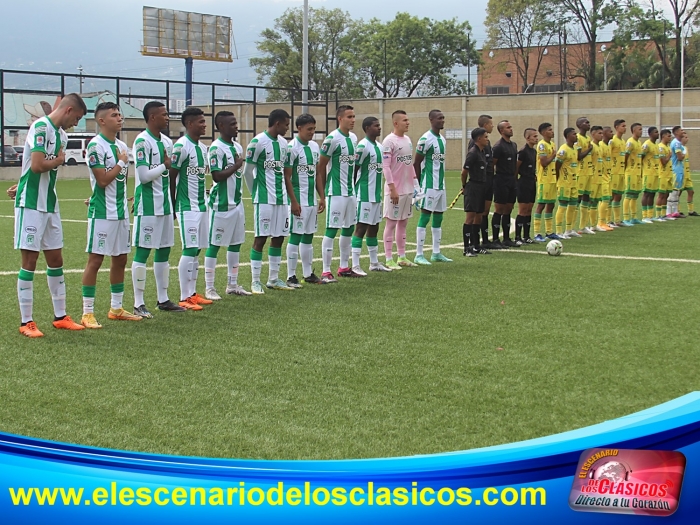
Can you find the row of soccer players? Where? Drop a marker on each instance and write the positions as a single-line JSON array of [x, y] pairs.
[[170, 180], [588, 174]]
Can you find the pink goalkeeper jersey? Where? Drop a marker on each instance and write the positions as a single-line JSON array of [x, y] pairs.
[[397, 160]]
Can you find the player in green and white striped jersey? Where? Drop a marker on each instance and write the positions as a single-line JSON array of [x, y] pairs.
[[153, 209], [227, 217], [271, 194], [336, 170], [108, 214], [300, 169], [187, 185], [429, 165], [37, 219], [368, 187]]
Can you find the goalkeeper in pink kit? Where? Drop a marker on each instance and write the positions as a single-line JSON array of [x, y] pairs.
[[400, 185]]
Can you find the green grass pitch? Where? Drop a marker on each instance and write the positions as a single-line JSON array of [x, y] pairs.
[[478, 352]]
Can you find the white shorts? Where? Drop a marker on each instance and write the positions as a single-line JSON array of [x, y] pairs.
[[403, 210], [306, 223], [434, 200], [341, 212], [227, 228], [154, 232], [194, 229], [369, 212], [271, 220], [106, 237], [37, 230]]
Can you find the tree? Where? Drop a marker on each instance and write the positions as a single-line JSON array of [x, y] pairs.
[[330, 66], [525, 28], [410, 55], [683, 14], [590, 16]]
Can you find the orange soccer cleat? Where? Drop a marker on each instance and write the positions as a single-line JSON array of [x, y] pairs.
[[30, 330], [190, 304], [119, 314], [201, 300], [67, 324]]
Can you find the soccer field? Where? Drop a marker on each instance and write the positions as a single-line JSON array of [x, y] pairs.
[[482, 351]]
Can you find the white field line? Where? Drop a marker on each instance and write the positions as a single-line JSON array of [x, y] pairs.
[[243, 264], [620, 257]]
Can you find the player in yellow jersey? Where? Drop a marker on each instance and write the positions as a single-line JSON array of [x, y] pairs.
[[596, 183], [605, 191], [633, 176], [617, 174], [688, 180], [585, 173], [546, 183], [650, 174], [567, 189], [665, 175]]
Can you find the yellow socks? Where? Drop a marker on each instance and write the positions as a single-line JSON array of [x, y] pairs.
[[561, 218]]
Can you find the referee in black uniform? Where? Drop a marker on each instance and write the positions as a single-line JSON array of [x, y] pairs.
[[505, 160], [474, 176], [486, 122], [526, 186]]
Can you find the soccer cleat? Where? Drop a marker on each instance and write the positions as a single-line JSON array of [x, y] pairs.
[[540, 238], [405, 263], [563, 236], [620, 224], [669, 218], [613, 225], [552, 236], [488, 245], [278, 284], [438, 257], [392, 265], [511, 244], [626, 224], [420, 259], [30, 330], [647, 221], [191, 304], [378, 267], [119, 314], [359, 271], [201, 300], [89, 321], [528, 240], [212, 294], [693, 214], [327, 278], [573, 233], [658, 219], [237, 289], [167, 306], [636, 221], [588, 230], [481, 250], [680, 215], [143, 312], [256, 288], [497, 245], [313, 279], [348, 272], [67, 324], [471, 252], [293, 282]]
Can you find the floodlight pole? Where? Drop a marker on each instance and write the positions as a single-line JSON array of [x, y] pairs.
[[305, 61], [188, 80]]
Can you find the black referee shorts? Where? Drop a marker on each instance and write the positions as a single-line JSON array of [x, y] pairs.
[[488, 188], [474, 197], [526, 190], [504, 191]]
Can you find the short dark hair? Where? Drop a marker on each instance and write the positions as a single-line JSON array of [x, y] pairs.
[[618, 122], [665, 132], [190, 113], [149, 106], [75, 101], [501, 126], [596, 128], [304, 119], [635, 125], [433, 113], [544, 126], [277, 115], [651, 130], [105, 106], [220, 115], [478, 132], [568, 131], [580, 120], [341, 110], [483, 119], [676, 128], [528, 129], [398, 112], [368, 122]]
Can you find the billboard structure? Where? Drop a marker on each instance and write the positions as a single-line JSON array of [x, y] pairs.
[[182, 34]]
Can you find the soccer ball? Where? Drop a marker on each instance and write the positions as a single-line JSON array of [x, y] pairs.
[[554, 248]]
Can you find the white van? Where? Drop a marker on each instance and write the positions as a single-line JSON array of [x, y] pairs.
[[76, 148]]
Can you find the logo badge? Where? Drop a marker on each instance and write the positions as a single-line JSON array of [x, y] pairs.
[[30, 239], [618, 481]]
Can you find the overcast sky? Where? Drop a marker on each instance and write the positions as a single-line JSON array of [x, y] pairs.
[[105, 37]]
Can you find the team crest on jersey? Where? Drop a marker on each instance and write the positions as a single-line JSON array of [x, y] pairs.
[[212, 162], [140, 155], [40, 140]]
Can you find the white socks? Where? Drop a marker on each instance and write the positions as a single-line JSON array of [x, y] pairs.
[[292, 259], [420, 239], [306, 251], [327, 248], [437, 237], [232, 259]]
